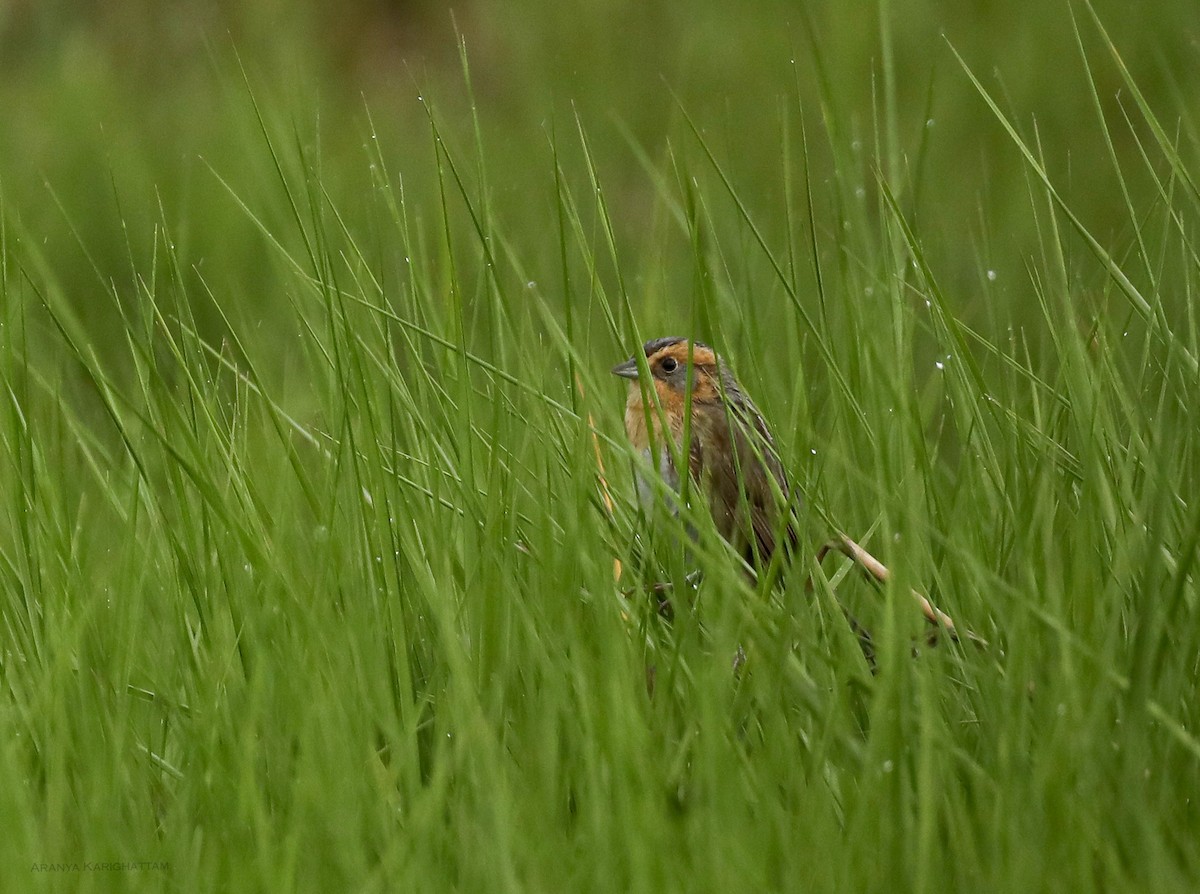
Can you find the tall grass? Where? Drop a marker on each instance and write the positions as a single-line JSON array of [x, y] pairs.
[[317, 591]]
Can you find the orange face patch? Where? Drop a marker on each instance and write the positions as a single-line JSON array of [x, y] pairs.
[[667, 363], [668, 360]]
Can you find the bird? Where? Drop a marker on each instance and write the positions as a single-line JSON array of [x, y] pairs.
[[730, 455]]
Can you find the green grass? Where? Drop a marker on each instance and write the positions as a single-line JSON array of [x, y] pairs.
[[307, 569]]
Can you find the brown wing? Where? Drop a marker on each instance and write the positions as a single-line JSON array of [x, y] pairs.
[[742, 497], [763, 478]]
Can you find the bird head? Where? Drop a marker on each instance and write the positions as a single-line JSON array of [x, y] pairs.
[[669, 361]]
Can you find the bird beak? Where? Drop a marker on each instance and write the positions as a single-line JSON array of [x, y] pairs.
[[626, 370]]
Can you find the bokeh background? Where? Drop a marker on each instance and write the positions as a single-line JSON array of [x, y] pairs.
[[123, 116], [306, 316]]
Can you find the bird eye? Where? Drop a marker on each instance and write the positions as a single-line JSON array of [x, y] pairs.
[[669, 365]]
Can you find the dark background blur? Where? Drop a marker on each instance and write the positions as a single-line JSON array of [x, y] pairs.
[[119, 116]]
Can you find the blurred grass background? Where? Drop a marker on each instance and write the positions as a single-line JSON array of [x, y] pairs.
[[308, 577], [114, 110]]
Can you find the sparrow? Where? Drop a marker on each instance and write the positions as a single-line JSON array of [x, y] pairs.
[[730, 453]]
